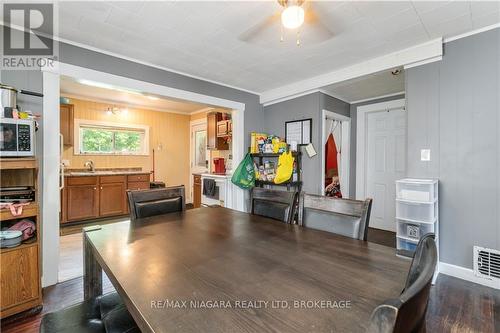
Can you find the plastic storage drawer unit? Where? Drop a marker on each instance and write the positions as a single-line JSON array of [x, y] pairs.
[[417, 211], [404, 244], [424, 190], [414, 230]]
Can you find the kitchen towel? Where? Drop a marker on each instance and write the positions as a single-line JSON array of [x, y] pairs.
[[209, 187]]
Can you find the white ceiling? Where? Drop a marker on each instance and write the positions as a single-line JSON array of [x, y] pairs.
[[201, 38], [366, 87], [75, 89]]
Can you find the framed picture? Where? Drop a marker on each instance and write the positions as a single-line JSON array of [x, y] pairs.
[[299, 131]]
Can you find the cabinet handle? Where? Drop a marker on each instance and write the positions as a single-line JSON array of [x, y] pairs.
[[101, 187], [95, 188]]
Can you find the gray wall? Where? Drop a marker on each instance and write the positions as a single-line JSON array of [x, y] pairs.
[[354, 118], [308, 106], [453, 109]]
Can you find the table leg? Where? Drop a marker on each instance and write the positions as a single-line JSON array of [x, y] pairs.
[[92, 271]]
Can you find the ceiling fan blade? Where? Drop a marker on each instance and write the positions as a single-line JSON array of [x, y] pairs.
[[314, 20], [260, 28]]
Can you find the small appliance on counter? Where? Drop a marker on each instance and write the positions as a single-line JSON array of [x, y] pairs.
[[220, 167], [17, 137]]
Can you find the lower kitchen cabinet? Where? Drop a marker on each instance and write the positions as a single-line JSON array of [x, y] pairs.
[[91, 197], [111, 199], [82, 202], [196, 191]]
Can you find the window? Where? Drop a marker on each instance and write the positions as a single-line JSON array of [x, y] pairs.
[[111, 139]]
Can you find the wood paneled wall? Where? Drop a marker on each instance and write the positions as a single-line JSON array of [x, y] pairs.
[[170, 131]]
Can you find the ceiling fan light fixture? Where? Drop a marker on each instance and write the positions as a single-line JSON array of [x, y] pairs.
[[292, 17]]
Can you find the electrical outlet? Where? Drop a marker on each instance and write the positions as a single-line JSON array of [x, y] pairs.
[[66, 163], [425, 155]]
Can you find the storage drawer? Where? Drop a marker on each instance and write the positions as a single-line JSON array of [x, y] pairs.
[[417, 190], [407, 245], [417, 211], [82, 180], [138, 178], [138, 185], [113, 179], [413, 230]]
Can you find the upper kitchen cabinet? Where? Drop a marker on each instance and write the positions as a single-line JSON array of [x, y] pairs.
[[67, 121], [214, 142]]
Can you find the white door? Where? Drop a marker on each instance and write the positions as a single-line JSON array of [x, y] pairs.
[[385, 163], [199, 155]]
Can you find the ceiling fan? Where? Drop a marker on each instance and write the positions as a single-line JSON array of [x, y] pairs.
[[295, 16]]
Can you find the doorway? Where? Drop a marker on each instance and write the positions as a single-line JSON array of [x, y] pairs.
[[199, 154], [381, 156], [335, 161]]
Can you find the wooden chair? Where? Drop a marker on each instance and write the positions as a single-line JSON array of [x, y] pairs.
[[145, 203], [407, 312], [278, 205], [340, 216]]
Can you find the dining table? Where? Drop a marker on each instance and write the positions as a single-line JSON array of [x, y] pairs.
[[216, 269]]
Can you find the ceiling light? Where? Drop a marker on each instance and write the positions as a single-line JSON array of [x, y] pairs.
[[153, 98], [292, 17]]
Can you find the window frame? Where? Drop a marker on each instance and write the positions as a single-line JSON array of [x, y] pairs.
[[79, 123]]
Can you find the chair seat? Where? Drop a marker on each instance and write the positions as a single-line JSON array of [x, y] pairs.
[[103, 314]]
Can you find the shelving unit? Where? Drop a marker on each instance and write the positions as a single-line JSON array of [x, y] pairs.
[[21, 282], [290, 183], [417, 213]]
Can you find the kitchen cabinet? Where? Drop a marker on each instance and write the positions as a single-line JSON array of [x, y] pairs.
[[91, 197], [81, 198], [213, 141], [111, 199], [224, 128], [196, 191], [67, 118]]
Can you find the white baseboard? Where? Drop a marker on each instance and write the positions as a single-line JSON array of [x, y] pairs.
[[466, 274]]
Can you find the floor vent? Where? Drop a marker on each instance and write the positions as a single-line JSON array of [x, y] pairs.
[[487, 263]]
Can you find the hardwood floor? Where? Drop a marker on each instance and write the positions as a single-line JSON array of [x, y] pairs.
[[455, 306]]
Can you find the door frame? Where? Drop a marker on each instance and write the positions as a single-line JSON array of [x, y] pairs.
[[361, 129], [51, 155], [346, 148], [193, 123]]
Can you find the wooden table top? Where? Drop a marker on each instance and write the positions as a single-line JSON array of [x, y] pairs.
[[173, 270]]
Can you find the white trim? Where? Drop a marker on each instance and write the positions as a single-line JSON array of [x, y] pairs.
[[289, 97], [51, 158], [76, 134], [361, 112], [423, 62], [466, 274], [428, 50], [346, 148], [121, 56], [378, 97], [471, 33], [131, 105]]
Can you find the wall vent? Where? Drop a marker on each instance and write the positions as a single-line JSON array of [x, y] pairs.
[[487, 263]]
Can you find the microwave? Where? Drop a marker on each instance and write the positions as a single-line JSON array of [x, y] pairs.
[[17, 137]]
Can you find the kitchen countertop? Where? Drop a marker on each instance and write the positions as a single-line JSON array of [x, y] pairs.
[[104, 172], [216, 175]]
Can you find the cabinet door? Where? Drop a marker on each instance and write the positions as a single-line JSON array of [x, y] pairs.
[[67, 120], [211, 131], [112, 200], [19, 277], [197, 192], [82, 202], [222, 129]]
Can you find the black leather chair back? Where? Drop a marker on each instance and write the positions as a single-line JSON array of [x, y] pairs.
[[407, 312], [278, 205], [145, 203], [345, 217]]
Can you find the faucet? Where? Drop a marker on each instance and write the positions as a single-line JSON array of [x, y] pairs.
[[90, 165]]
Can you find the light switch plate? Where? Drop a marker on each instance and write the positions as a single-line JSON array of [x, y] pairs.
[[425, 155], [65, 163]]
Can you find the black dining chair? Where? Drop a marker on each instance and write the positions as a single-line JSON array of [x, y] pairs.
[[103, 314], [345, 217], [278, 205], [407, 312], [146, 203]]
